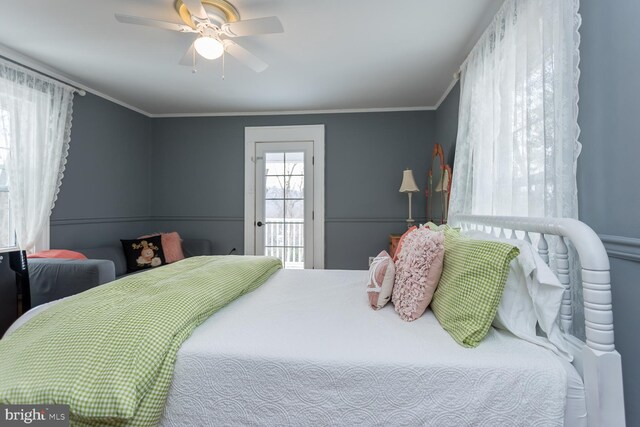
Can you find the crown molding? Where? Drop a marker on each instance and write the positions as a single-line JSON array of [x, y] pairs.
[[29, 62], [294, 112], [447, 92], [41, 67]]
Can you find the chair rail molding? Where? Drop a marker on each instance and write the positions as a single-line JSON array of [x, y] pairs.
[[381, 220], [97, 220], [621, 247], [201, 218]]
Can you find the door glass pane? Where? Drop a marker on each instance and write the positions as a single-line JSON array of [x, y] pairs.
[[295, 210], [274, 187], [294, 163], [271, 251], [274, 210], [274, 163], [294, 187], [294, 234], [284, 207], [294, 257]]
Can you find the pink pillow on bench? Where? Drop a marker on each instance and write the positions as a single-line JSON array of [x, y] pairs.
[[171, 246], [57, 253]]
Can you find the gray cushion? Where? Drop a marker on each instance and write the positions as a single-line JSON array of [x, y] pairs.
[[55, 278], [112, 253]]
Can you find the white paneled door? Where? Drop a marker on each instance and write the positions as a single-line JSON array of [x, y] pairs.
[[284, 202], [284, 194]]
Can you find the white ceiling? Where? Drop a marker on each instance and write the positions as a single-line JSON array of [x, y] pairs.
[[333, 55]]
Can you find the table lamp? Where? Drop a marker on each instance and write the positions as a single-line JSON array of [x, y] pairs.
[[408, 186]]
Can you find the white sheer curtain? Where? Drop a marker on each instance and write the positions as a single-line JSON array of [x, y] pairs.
[[37, 121], [517, 143]]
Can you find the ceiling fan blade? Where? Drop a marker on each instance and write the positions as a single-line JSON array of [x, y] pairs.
[[250, 27], [187, 59], [196, 9], [138, 20], [244, 56]]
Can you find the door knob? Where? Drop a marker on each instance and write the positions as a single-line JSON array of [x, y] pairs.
[[259, 223]]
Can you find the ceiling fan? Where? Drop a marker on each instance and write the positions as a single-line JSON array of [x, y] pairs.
[[215, 22]]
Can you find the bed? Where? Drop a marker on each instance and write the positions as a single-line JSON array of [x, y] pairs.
[[306, 349]]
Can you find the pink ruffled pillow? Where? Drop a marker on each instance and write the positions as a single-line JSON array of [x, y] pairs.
[[381, 277], [401, 242], [171, 246], [418, 271]]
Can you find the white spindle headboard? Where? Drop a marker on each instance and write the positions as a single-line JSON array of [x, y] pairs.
[[597, 360]]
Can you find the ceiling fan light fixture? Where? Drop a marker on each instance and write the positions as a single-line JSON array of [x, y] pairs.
[[209, 47]]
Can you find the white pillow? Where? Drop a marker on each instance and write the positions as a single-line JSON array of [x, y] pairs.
[[382, 274], [532, 295]]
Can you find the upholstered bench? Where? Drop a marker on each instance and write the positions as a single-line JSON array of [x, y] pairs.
[[54, 278]]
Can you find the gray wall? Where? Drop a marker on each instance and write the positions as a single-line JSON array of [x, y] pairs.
[[200, 191], [608, 176], [105, 192], [127, 175], [608, 173]]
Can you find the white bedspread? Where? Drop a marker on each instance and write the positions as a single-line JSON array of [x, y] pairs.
[[305, 349]]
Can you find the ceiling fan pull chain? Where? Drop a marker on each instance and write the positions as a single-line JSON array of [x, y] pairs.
[[223, 55]]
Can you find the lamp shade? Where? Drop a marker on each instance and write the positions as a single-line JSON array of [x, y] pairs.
[[408, 183]]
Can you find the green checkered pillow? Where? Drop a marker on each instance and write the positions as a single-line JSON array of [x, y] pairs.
[[435, 227], [471, 285]]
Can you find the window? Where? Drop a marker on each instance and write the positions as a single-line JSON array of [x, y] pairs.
[[517, 143], [35, 125], [7, 232]]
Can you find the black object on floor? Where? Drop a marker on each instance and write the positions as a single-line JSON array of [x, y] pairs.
[[15, 291]]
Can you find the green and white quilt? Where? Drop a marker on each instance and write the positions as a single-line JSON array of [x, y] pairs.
[[109, 352]]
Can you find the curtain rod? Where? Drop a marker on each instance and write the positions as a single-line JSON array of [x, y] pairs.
[[76, 89]]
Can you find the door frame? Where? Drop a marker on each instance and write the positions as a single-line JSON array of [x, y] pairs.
[[313, 133]]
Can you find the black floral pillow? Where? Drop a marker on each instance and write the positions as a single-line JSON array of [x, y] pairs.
[[142, 254]]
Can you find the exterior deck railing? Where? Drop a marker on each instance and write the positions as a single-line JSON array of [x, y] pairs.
[[284, 238]]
